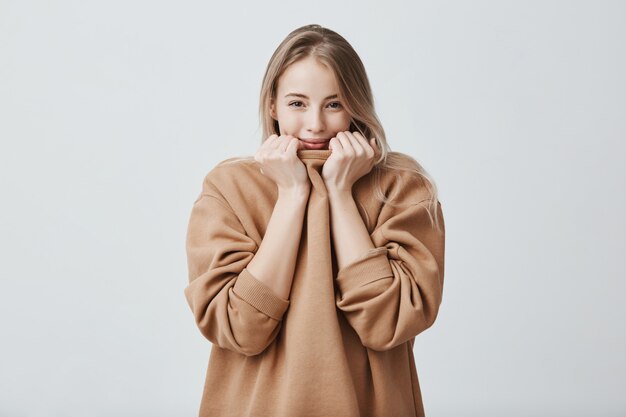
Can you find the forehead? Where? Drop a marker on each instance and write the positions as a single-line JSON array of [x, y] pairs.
[[309, 77]]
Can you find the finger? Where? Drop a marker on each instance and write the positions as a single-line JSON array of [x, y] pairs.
[[283, 146], [346, 144], [271, 142], [374, 145], [275, 143], [292, 146], [363, 145], [334, 145], [271, 138], [284, 142]]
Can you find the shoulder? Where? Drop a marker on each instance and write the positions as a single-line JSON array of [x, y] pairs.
[[234, 168], [232, 175], [403, 179]]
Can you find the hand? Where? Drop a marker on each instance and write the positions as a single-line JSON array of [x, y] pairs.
[[352, 157], [279, 162]]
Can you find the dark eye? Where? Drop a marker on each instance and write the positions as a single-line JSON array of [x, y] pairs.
[[294, 102], [337, 103]]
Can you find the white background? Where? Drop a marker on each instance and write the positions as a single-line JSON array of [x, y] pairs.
[[111, 113]]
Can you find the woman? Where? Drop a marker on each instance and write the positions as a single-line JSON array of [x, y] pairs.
[[314, 264]]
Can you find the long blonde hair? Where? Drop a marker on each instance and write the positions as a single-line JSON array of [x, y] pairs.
[[331, 49]]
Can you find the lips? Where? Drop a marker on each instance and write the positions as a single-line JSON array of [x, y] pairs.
[[315, 143]]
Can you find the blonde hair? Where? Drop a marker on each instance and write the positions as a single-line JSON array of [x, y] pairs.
[[332, 50]]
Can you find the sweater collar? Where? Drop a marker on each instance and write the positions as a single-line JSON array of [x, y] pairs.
[[313, 153], [313, 158]]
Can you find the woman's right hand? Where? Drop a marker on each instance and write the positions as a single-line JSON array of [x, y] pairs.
[[279, 162]]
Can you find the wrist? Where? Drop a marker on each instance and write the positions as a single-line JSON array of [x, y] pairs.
[[338, 193], [298, 193]]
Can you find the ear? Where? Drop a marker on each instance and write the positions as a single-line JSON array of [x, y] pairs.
[[273, 110]]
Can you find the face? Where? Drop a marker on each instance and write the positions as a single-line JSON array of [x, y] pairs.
[[308, 105]]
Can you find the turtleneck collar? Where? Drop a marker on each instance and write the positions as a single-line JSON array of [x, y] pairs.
[[313, 153], [313, 158]]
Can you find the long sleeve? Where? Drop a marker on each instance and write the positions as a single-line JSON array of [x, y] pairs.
[[394, 291], [231, 307]]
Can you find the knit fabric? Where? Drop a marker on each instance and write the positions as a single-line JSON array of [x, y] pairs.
[[341, 345]]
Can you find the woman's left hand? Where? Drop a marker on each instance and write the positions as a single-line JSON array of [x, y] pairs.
[[352, 157]]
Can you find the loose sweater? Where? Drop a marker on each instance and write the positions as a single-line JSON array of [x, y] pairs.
[[341, 345]]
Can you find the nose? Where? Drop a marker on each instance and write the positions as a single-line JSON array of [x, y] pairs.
[[316, 121]]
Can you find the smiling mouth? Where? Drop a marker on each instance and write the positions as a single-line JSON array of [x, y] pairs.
[[317, 144], [314, 140]]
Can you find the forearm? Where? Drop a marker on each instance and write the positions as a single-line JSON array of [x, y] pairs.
[[275, 260], [351, 239]]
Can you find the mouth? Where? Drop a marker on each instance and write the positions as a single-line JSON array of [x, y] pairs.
[[314, 143]]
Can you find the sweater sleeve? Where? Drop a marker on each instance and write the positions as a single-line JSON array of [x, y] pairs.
[[393, 292], [232, 308]]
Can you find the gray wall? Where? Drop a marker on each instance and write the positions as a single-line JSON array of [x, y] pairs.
[[111, 113]]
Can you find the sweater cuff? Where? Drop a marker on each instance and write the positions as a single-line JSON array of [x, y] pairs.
[[371, 267], [259, 295]]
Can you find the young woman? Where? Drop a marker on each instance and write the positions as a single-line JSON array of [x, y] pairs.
[[314, 264]]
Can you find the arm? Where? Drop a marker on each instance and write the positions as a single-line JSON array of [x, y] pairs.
[[275, 261], [234, 308], [350, 236], [392, 290]]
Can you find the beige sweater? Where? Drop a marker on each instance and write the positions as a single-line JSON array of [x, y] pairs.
[[342, 344]]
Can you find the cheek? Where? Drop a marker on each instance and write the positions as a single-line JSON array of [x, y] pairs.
[[288, 121], [343, 123]]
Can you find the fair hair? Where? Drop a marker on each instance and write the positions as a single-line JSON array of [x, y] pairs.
[[332, 50]]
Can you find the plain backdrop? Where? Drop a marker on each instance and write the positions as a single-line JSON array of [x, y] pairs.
[[111, 113]]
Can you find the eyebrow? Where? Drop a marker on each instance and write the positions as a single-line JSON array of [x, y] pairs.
[[304, 96]]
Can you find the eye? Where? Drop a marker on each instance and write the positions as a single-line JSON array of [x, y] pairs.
[[337, 103], [294, 102]]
